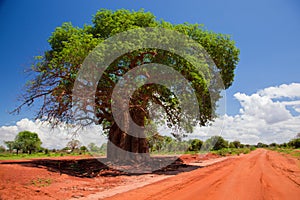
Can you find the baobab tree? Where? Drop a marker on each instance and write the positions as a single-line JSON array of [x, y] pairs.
[[55, 73]]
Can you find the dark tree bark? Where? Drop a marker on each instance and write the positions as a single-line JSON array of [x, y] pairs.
[[123, 147]]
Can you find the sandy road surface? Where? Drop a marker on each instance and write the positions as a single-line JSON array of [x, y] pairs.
[[262, 174]]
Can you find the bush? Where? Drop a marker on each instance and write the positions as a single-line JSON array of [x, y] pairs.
[[46, 151], [195, 145], [295, 143], [273, 145], [215, 143], [233, 151], [261, 145], [2, 149], [236, 144], [252, 148]]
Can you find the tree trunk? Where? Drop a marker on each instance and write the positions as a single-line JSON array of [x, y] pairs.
[[122, 147], [125, 148]]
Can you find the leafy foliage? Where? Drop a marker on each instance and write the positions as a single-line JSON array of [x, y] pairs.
[[2, 149], [215, 143], [295, 143], [195, 145], [93, 147], [27, 142], [55, 72], [236, 144], [9, 145], [261, 145]]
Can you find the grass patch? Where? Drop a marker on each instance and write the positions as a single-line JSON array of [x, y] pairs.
[[290, 151], [41, 182], [233, 151], [174, 152], [10, 156]]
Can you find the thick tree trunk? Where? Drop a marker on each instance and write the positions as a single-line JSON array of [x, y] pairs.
[[126, 148], [123, 147]]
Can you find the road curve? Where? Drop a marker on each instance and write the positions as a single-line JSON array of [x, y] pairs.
[[262, 174]]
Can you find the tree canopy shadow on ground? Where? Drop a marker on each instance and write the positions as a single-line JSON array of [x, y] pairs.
[[93, 167]]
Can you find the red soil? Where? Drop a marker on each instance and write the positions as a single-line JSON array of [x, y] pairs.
[[64, 177], [261, 174]]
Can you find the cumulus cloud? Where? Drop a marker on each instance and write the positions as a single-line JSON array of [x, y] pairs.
[[57, 137], [263, 107], [285, 90], [264, 116]]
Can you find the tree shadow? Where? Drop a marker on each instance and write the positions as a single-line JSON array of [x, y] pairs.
[[93, 167]]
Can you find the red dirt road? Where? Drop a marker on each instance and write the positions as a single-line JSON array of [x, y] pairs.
[[262, 174]]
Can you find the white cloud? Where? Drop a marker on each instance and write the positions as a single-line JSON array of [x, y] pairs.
[[262, 107], [53, 137], [285, 90], [262, 118]]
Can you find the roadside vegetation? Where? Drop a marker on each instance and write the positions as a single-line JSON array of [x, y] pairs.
[[215, 144], [27, 145], [292, 147]]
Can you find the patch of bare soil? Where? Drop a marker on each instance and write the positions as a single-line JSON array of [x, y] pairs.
[[77, 177], [262, 174]]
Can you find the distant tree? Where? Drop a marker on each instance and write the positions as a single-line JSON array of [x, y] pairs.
[[261, 145], [17, 146], [231, 145], [295, 143], [9, 145], [216, 143], [93, 147], [237, 144], [166, 143], [195, 145], [68, 149], [298, 135], [83, 148], [103, 147], [283, 144], [46, 151], [273, 145], [27, 141], [156, 142], [2, 149], [73, 144]]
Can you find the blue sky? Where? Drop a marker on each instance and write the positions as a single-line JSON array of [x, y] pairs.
[[266, 32]]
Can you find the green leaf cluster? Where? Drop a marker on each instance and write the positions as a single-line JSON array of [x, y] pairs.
[[55, 72], [26, 141]]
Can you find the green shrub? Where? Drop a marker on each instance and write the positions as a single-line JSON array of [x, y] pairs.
[[46, 151], [295, 143]]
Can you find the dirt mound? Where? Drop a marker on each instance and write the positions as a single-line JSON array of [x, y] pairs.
[[194, 158]]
